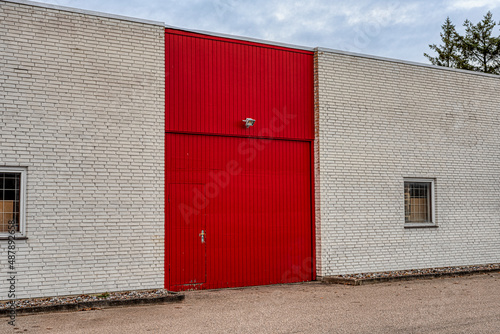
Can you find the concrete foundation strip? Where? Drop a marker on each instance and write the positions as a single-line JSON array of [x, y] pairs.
[[373, 280], [78, 306]]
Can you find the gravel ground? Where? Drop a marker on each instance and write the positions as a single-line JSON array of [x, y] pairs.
[[451, 305], [416, 272], [23, 303], [161, 292]]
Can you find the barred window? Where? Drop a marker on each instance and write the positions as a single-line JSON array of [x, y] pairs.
[[419, 206], [12, 185]]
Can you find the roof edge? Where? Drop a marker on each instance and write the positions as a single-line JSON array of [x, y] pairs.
[[242, 38], [406, 62], [84, 11]]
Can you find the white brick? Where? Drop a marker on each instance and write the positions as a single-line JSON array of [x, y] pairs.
[[90, 93], [380, 121]]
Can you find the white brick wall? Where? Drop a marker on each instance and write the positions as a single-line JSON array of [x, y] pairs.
[[379, 121], [82, 107]]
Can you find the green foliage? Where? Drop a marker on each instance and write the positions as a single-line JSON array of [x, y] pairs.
[[448, 52], [479, 46], [103, 295], [477, 50]]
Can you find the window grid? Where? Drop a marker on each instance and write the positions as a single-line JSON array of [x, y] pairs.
[[418, 202], [10, 200]]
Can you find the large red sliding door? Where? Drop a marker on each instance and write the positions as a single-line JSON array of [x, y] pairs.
[[238, 216], [238, 204]]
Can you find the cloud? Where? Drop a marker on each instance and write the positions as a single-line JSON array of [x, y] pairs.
[[471, 4], [384, 14]]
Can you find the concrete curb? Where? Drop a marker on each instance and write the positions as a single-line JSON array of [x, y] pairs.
[[94, 304], [373, 280]]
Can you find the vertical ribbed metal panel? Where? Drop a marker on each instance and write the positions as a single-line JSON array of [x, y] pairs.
[[254, 208], [212, 84], [251, 196]]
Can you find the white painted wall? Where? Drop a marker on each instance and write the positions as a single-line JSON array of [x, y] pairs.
[[378, 121], [82, 107]]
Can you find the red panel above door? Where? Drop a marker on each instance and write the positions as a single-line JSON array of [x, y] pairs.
[[212, 84]]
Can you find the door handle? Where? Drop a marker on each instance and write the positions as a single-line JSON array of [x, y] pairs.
[[202, 235]]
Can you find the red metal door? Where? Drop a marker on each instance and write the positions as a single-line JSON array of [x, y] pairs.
[[254, 184], [188, 237], [254, 197]]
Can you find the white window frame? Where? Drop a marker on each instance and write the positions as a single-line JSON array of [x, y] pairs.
[[432, 223], [22, 198]]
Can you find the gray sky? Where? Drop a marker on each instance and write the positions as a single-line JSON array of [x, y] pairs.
[[395, 28]]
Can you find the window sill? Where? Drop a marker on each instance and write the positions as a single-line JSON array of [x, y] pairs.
[[5, 237], [421, 225]]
